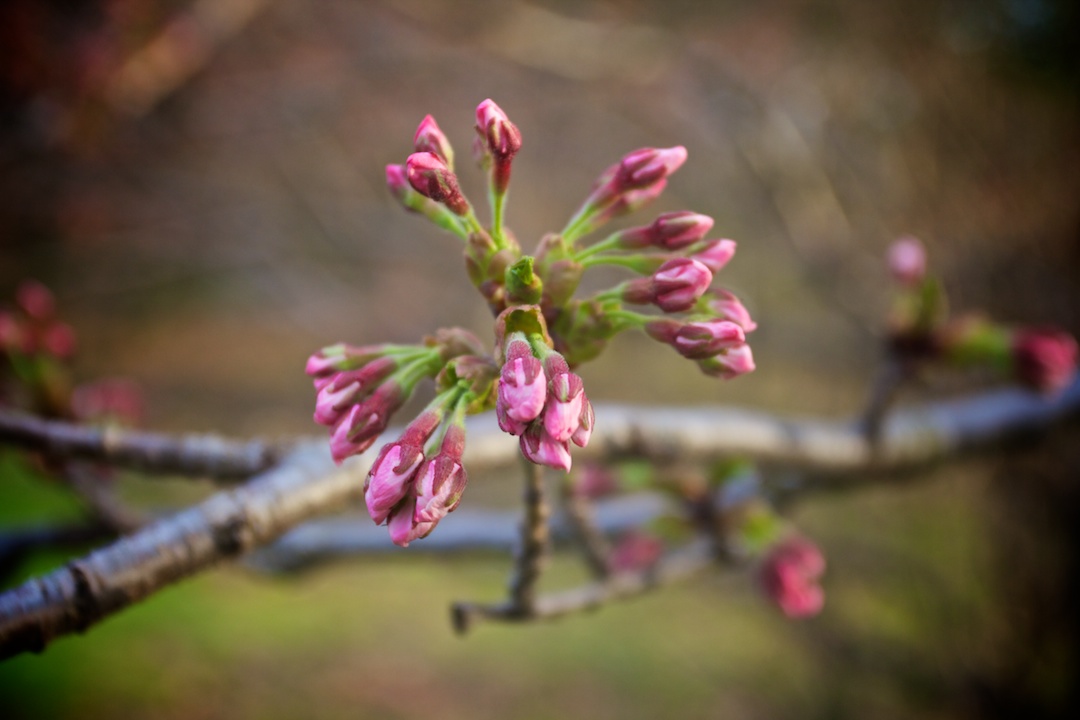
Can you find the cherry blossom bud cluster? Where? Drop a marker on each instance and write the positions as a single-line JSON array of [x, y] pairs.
[[32, 328], [718, 346], [415, 482], [359, 390], [790, 575], [542, 402]]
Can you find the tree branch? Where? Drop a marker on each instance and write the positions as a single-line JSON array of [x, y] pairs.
[[201, 455], [306, 483]]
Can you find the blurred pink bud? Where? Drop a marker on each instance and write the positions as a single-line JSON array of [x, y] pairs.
[[522, 385], [389, 478], [728, 307], [907, 260], [635, 550], [58, 340], [430, 177], [539, 447], [716, 254], [790, 574], [398, 182], [11, 332], [562, 413], [429, 138], [596, 481], [700, 340], [116, 399], [336, 358], [729, 364], [646, 166], [1044, 359], [36, 300]]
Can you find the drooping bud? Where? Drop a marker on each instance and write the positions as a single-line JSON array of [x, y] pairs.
[[522, 389], [586, 421], [430, 138], [401, 523], [539, 447], [728, 307], [907, 261], [392, 472], [337, 392], [562, 413], [442, 480], [790, 574], [1044, 359], [430, 177], [716, 254], [360, 427]]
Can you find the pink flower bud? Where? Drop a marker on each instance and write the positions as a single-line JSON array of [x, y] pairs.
[[700, 340], [907, 260], [501, 139], [338, 391], [635, 550], [562, 413], [438, 489], [522, 384], [500, 136], [360, 427], [789, 575], [430, 177], [36, 300], [58, 340], [1044, 359], [670, 231], [728, 307], [646, 166], [397, 180], [336, 358], [586, 421], [716, 254], [401, 523], [539, 447], [679, 283], [730, 364], [390, 477], [429, 138]]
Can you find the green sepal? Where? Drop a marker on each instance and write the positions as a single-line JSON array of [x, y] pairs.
[[523, 285]]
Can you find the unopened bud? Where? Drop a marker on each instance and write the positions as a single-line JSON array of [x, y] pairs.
[[429, 138], [907, 260], [430, 177]]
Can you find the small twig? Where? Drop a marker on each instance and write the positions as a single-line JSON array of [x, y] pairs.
[[595, 548], [891, 375], [675, 566], [95, 489], [529, 557], [531, 554], [18, 543], [199, 455]]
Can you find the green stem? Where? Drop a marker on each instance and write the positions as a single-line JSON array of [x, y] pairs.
[[611, 242]]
